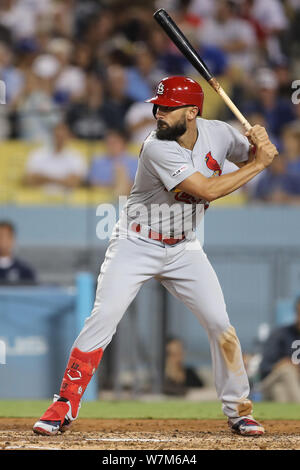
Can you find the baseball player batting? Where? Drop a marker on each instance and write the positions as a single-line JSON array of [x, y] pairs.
[[179, 174]]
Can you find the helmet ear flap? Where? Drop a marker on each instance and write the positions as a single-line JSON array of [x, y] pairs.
[[154, 109]]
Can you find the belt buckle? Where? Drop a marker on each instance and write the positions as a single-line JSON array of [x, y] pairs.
[[173, 241]]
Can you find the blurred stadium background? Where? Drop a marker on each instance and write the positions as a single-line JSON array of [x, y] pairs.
[[76, 75]]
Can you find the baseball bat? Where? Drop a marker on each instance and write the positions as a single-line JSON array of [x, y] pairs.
[[177, 36]]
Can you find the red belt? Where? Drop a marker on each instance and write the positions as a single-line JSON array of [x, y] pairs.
[[157, 236]]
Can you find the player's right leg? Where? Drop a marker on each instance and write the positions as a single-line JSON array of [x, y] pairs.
[[128, 264]]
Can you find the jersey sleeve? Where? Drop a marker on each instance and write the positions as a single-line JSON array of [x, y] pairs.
[[238, 145], [166, 161]]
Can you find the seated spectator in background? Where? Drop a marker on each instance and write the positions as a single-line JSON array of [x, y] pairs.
[[56, 167], [12, 269], [203, 8], [116, 168], [246, 12], [144, 75], [271, 15], [178, 377], [139, 122], [91, 117], [277, 111], [280, 376], [9, 74], [117, 96], [291, 147], [284, 74], [277, 186], [174, 62], [70, 80], [22, 16], [36, 109], [235, 36]]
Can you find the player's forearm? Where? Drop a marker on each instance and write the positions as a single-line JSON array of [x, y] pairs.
[[215, 187], [223, 185]]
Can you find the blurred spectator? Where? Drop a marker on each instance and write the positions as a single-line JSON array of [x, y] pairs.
[[271, 16], [277, 186], [36, 110], [144, 75], [12, 269], [62, 17], [84, 57], [91, 117], [246, 12], [291, 147], [58, 166], [99, 26], [14, 82], [70, 79], [117, 96], [277, 111], [140, 121], [84, 13], [96, 61], [232, 34], [174, 62], [280, 377], [282, 69], [203, 8], [116, 168], [23, 16], [11, 76], [178, 377]]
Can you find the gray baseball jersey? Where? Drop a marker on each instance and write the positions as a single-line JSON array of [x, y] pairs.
[[154, 200]]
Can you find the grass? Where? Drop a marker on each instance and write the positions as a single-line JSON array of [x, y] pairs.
[[169, 409]]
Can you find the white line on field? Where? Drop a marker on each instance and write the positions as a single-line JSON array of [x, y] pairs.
[[114, 439], [30, 447]]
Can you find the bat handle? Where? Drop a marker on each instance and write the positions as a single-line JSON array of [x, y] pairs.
[[217, 87]]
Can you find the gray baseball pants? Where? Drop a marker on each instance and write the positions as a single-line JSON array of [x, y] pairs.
[[186, 273]]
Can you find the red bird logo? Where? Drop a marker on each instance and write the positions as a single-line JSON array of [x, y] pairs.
[[212, 164]]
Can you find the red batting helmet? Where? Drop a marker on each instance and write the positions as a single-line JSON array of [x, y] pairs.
[[178, 91]]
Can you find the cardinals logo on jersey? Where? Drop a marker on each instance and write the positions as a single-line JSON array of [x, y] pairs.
[[212, 164]]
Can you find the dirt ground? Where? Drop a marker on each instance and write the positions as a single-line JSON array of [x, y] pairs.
[[148, 435]]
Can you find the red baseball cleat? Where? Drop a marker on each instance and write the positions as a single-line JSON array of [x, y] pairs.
[[246, 426], [65, 407], [58, 417]]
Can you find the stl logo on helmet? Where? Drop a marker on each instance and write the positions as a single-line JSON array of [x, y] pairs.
[[160, 89]]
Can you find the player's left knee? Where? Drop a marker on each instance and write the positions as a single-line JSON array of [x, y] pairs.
[[231, 350]]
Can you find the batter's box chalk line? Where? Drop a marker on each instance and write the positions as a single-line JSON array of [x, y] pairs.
[[25, 447], [119, 439]]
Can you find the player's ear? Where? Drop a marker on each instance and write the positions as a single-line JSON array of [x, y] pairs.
[[192, 112]]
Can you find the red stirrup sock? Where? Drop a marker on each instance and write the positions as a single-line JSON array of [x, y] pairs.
[[79, 371]]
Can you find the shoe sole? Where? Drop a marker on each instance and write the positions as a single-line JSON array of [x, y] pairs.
[[44, 432], [249, 433]]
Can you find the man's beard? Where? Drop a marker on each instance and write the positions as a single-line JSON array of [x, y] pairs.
[[166, 132]]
